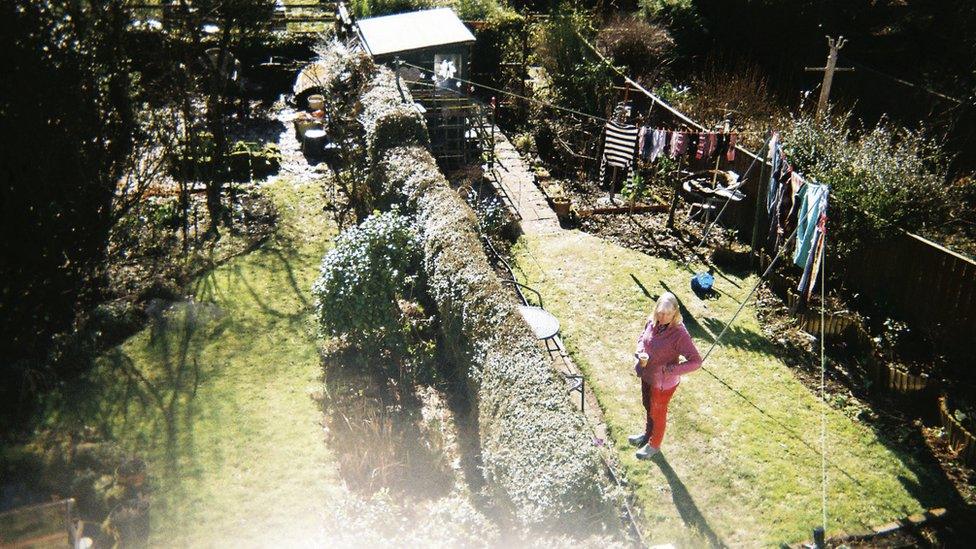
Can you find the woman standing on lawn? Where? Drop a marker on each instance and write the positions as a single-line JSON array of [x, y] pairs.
[[659, 347]]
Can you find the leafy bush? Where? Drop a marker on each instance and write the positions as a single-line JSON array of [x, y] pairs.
[[680, 16], [362, 278], [496, 57], [578, 80], [249, 159], [491, 213], [644, 48], [374, 8], [881, 180]]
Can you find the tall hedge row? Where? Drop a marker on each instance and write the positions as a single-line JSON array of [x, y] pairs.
[[535, 448]]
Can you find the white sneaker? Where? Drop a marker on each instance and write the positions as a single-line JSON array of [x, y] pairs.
[[647, 452], [637, 440]]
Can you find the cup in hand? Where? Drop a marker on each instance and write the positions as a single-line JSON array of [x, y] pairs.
[[642, 357]]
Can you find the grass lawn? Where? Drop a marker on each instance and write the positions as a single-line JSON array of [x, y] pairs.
[[729, 473], [224, 415]]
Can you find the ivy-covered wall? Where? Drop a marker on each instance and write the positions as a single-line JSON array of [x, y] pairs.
[[538, 456]]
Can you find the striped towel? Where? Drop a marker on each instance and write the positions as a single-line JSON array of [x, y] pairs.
[[619, 147]]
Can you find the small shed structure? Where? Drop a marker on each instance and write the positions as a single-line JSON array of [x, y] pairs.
[[435, 39]]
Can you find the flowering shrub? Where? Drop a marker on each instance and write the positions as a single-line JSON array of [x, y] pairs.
[[882, 179], [361, 279]]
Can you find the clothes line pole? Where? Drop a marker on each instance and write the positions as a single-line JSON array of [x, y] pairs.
[[828, 70]]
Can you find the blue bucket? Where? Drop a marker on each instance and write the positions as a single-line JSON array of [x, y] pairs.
[[702, 283]]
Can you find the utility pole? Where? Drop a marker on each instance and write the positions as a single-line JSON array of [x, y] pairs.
[[835, 46]]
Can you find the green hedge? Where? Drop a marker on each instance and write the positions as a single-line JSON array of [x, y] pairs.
[[386, 119], [535, 447]]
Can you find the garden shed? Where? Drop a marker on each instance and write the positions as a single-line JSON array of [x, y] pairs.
[[435, 39]]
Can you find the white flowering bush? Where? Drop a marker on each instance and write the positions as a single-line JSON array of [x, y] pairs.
[[362, 278], [882, 179]]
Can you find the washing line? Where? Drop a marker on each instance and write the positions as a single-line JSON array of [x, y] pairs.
[[824, 459], [729, 199], [904, 82], [512, 94]]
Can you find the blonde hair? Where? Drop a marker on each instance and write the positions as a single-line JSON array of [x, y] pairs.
[[667, 302]]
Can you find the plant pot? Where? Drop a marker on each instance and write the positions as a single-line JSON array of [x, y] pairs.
[[561, 206], [304, 124], [316, 102]]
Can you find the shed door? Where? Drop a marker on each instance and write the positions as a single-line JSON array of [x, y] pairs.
[[446, 68]]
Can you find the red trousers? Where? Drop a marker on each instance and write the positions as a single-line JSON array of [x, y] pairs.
[[656, 404]]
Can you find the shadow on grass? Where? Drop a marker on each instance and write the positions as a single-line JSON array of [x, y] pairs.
[[688, 247], [935, 490], [376, 428], [165, 383], [687, 509]]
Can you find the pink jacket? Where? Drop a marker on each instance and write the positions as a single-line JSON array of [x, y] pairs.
[[663, 348]]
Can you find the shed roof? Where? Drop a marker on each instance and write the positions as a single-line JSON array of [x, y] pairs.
[[413, 31]]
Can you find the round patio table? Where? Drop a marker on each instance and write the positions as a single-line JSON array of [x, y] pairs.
[[543, 324]]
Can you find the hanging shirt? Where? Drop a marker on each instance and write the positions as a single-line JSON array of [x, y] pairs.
[[730, 153], [776, 159], [659, 140], [679, 143], [644, 142], [809, 278], [693, 139], [619, 147], [620, 141], [813, 202]]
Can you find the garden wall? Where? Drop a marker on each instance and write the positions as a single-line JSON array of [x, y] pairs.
[[537, 456]]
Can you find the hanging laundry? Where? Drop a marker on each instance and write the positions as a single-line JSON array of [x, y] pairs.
[[730, 153], [693, 139], [789, 205], [813, 203], [711, 145], [721, 144], [679, 143], [775, 158], [644, 142], [809, 278], [659, 139], [619, 147]]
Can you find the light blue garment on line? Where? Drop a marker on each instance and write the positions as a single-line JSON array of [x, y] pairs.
[[814, 200]]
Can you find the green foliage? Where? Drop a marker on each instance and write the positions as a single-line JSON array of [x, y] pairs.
[[499, 51], [362, 278], [578, 79], [491, 213], [680, 16], [635, 188], [642, 47], [882, 179], [374, 8], [249, 159], [67, 117], [468, 10]]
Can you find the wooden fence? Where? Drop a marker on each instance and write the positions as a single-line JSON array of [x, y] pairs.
[[960, 440]]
